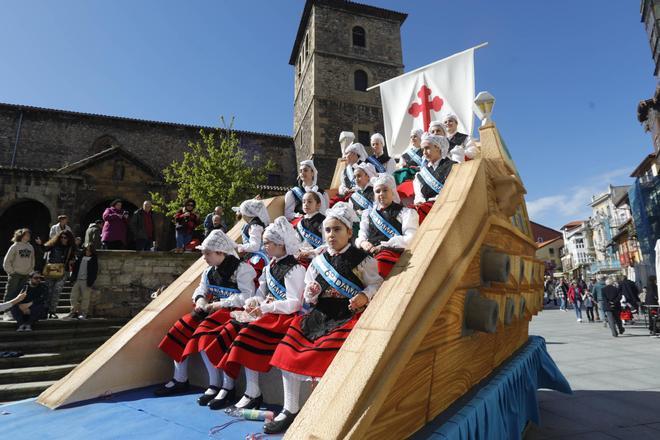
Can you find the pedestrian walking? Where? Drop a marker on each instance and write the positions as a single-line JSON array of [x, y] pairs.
[[588, 301], [560, 292], [613, 307], [575, 298], [599, 296]]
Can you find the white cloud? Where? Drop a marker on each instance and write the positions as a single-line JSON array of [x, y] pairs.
[[573, 204]]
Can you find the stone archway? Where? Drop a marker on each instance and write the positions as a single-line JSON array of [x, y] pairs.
[[24, 214]]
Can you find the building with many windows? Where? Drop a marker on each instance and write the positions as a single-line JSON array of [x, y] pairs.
[[604, 223], [578, 252]]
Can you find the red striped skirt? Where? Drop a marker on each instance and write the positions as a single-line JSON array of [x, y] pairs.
[[255, 344], [423, 210], [188, 335], [217, 344], [386, 260], [297, 354]]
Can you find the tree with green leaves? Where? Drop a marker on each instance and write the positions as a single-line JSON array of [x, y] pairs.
[[214, 172]]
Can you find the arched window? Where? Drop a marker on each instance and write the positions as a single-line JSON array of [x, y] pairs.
[[359, 38], [360, 80]]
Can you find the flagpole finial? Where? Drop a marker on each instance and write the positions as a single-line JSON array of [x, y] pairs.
[[483, 107]]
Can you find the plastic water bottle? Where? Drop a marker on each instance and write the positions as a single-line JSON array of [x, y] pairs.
[[250, 414]]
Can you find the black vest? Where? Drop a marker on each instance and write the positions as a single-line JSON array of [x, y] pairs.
[[314, 224], [347, 182], [457, 139], [368, 194], [298, 207], [409, 160], [374, 236], [344, 264], [279, 269], [224, 275], [440, 173]]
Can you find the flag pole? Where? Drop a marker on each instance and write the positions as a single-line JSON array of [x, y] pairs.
[[479, 46]]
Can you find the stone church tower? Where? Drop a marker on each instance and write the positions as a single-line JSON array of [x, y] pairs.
[[341, 49]]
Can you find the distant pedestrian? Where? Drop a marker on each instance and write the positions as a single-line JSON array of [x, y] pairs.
[[142, 225], [560, 292], [599, 296], [210, 225], [61, 226], [85, 270], [186, 220], [93, 234], [588, 301], [613, 307], [60, 252], [629, 290], [18, 263], [575, 298], [115, 226]]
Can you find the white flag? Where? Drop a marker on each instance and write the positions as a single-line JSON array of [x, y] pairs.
[[430, 93]]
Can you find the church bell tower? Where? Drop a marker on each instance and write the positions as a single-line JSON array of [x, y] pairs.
[[341, 49]]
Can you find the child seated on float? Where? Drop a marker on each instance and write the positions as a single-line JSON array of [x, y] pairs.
[[225, 286], [307, 181], [363, 196], [430, 180], [280, 297], [340, 282], [386, 229], [355, 154], [461, 146], [382, 162], [309, 228], [256, 218], [411, 159]]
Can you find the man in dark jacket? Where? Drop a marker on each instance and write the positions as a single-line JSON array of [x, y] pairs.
[[613, 307], [33, 307], [142, 226], [599, 296], [630, 292]]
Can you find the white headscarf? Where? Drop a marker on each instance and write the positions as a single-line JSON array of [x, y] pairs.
[[310, 163], [217, 241], [343, 212], [366, 167], [358, 149], [418, 131], [281, 232], [253, 208], [378, 137], [451, 116], [386, 180], [439, 141], [438, 124], [346, 135]]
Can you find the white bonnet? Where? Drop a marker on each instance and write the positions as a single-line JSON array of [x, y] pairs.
[[253, 208], [387, 180], [343, 212], [358, 149], [281, 232], [218, 241]]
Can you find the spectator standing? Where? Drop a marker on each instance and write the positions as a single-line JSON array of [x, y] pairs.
[[630, 292], [61, 226], [85, 270], [560, 292], [186, 220], [18, 263], [613, 307], [575, 298], [33, 307], [142, 225], [93, 234], [115, 226], [60, 252], [210, 224], [599, 296], [590, 289]]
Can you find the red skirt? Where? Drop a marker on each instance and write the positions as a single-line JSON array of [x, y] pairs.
[[206, 332], [406, 189], [386, 260], [297, 354], [183, 338], [217, 344], [339, 198], [423, 210], [255, 344]]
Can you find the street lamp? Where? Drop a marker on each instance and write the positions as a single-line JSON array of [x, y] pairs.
[[483, 107]]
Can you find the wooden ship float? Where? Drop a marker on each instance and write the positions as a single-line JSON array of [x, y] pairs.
[[455, 307]]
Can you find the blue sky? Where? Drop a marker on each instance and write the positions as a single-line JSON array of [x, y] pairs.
[[567, 75]]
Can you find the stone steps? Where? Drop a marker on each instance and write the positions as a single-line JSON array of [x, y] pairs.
[[30, 346], [40, 359], [17, 391], [55, 334], [37, 373]]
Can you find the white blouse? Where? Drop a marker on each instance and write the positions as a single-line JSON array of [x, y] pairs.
[[294, 283], [409, 220], [244, 279]]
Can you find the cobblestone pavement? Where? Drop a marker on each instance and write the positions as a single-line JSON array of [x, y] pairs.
[[616, 381]]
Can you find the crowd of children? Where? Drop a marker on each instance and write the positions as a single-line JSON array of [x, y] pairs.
[[290, 293]]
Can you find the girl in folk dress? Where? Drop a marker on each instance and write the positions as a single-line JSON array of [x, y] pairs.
[[340, 282], [354, 154], [430, 179], [307, 178], [256, 218], [309, 228], [363, 196], [387, 229], [381, 161], [225, 286], [280, 296]]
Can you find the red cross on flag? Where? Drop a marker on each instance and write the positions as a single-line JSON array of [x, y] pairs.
[[416, 98]]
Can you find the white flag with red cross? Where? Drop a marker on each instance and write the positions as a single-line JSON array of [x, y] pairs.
[[416, 98]]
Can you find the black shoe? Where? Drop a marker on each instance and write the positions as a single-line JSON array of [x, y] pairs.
[[622, 330], [274, 427], [254, 403], [204, 399], [226, 401], [53, 316], [177, 388]]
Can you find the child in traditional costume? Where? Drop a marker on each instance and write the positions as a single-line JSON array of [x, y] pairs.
[[225, 286], [307, 181], [387, 229], [412, 158], [382, 162], [280, 297], [430, 180], [355, 154], [363, 196], [256, 218], [309, 228], [461, 146], [339, 284]]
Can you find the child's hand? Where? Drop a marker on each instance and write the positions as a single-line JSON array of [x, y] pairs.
[[366, 246], [312, 291], [357, 302]]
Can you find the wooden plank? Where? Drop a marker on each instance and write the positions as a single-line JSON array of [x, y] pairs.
[[449, 324]]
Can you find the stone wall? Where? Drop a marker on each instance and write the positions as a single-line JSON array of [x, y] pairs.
[[126, 279]]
